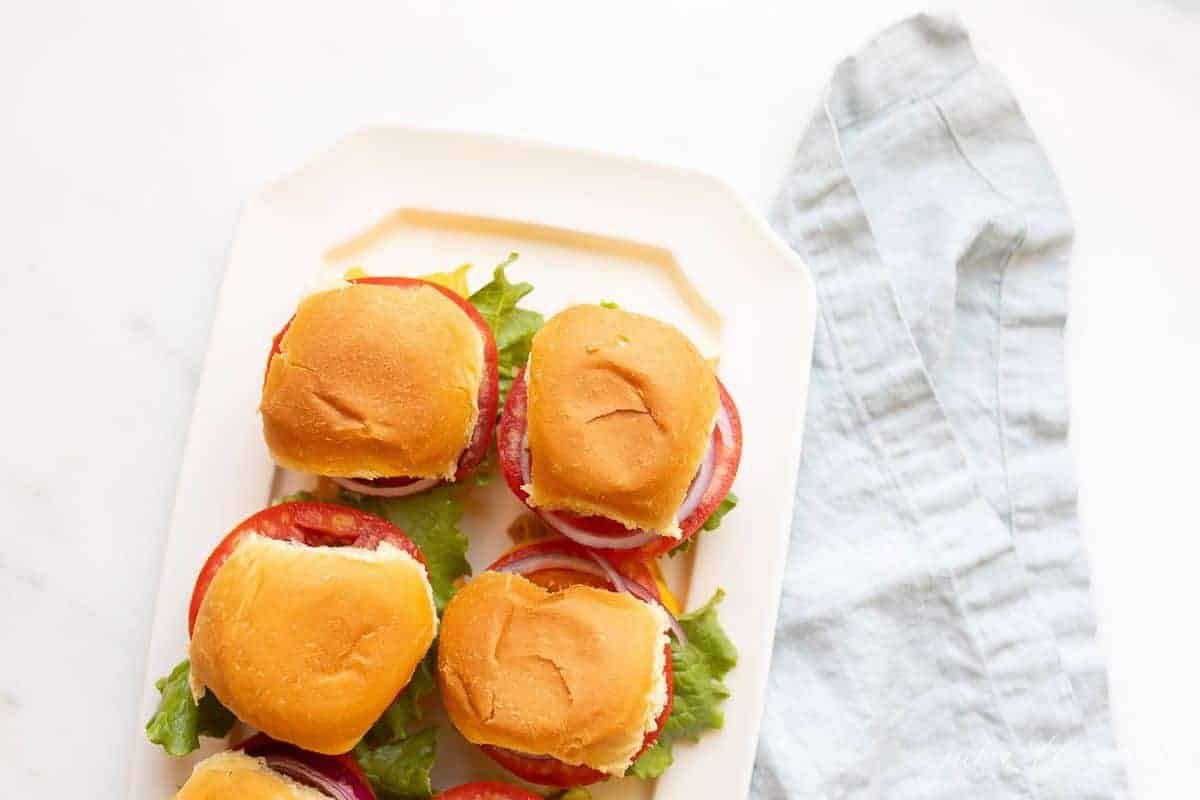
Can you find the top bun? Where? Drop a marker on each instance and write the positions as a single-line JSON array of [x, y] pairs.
[[234, 774], [576, 675], [311, 644], [374, 381], [621, 410]]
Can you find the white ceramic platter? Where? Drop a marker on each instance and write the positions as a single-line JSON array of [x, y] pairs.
[[678, 245]]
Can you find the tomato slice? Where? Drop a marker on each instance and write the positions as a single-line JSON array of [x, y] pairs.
[[312, 524], [488, 400], [511, 437], [630, 570], [487, 790], [545, 770]]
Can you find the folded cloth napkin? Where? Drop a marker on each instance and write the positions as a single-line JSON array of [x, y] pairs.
[[935, 634]]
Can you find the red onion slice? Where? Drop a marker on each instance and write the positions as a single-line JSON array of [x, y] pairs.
[[700, 482], [540, 561], [615, 578], [632, 540], [724, 424], [335, 776], [362, 487], [311, 776], [640, 592]]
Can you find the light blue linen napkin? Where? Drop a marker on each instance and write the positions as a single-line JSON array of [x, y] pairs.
[[935, 636]]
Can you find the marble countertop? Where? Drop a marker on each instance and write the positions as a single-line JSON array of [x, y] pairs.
[[133, 130]]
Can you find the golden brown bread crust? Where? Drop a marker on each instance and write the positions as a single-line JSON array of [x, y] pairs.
[[374, 382], [311, 644], [232, 774], [575, 674], [621, 410]]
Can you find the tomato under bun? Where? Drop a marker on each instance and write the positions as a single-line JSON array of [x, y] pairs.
[[570, 686], [383, 378], [308, 620]]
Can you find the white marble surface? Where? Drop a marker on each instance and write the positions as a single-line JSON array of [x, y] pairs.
[[132, 130]]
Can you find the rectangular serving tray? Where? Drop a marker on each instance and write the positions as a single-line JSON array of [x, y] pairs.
[[675, 244]]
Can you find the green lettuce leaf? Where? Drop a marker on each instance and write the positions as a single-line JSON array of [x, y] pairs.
[[407, 709], [654, 761], [700, 670], [179, 721], [303, 496], [396, 761], [513, 327], [724, 507], [399, 770], [711, 524]]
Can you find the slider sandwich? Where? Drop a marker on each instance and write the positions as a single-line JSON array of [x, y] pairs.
[[388, 386], [618, 433], [307, 620], [557, 663]]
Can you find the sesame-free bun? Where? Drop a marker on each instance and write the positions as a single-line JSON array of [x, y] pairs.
[[311, 644], [374, 381], [621, 410], [576, 674], [233, 774]]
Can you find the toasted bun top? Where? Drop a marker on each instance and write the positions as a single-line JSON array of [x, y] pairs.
[[576, 674], [374, 382], [311, 644], [621, 409], [235, 774]]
